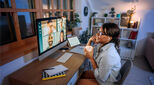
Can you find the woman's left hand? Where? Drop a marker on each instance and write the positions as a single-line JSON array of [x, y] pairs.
[[88, 51]]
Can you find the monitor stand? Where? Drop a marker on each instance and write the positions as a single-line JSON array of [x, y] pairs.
[[56, 54]]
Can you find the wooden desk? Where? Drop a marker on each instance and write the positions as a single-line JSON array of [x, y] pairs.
[[31, 74]]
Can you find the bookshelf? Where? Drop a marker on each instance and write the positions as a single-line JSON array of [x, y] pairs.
[[128, 36], [96, 23], [128, 39]]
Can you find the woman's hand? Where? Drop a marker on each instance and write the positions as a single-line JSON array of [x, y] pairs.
[[88, 51], [92, 39]]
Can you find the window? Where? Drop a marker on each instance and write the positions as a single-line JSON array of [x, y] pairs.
[[58, 8], [26, 23], [17, 24], [46, 4], [7, 31], [47, 14], [24, 4], [5, 3], [17, 28], [56, 4], [64, 4], [71, 4]]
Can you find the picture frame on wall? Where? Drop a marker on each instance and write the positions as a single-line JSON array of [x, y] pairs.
[[124, 20], [85, 11]]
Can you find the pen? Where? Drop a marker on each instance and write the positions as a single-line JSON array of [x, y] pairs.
[[48, 69]]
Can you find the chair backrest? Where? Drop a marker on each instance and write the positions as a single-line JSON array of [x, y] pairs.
[[124, 71]]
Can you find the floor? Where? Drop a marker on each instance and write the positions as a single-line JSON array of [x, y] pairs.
[[140, 73]]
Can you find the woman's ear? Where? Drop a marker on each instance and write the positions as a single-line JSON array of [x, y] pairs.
[[110, 38]]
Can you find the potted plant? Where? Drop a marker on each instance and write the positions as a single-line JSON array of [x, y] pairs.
[[112, 12], [84, 37], [130, 14], [73, 24]]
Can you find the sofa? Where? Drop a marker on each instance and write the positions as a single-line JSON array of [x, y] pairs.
[[149, 51]]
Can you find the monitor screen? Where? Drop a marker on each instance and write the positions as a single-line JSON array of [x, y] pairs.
[[51, 32]]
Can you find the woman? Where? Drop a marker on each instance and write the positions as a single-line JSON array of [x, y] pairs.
[[106, 60]]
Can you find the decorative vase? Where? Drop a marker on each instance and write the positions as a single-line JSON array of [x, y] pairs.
[[129, 25]]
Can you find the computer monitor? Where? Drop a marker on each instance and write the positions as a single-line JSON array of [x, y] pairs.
[[51, 34]]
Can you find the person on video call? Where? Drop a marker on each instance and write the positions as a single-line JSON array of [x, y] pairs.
[[62, 36], [52, 33], [104, 57]]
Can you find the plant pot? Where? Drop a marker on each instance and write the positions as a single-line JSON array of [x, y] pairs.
[[76, 31]]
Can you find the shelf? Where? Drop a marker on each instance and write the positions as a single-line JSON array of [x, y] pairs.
[[96, 26], [127, 39], [126, 53], [130, 29], [122, 47], [106, 18]]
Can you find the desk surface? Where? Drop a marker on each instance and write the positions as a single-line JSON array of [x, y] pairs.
[[31, 74]]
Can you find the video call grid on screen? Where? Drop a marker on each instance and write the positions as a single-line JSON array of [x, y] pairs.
[[51, 32]]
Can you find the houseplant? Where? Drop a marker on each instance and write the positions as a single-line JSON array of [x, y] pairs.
[[84, 37], [73, 25], [74, 22], [130, 14], [112, 12]]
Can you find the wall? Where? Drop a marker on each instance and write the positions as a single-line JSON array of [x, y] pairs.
[[122, 5], [146, 27], [144, 11], [80, 4]]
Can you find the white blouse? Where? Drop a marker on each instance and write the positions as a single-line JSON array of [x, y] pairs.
[[108, 62]]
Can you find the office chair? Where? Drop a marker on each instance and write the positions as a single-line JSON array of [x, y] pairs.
[[124, 71]]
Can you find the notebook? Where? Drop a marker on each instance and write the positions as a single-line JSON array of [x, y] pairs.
[[55, 70]]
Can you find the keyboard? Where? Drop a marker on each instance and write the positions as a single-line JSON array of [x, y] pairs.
[[78, 49], [64, 57]]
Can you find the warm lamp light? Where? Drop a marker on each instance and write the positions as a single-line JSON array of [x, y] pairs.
[[131, 22]]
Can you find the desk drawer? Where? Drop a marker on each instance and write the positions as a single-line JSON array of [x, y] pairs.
[[73, 79]]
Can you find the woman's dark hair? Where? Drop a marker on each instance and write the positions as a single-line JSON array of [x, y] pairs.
[[112, 30]]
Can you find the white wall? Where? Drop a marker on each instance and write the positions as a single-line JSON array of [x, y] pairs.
[[147, 26], [80, 4], [122, 5], [11, 67], [144, 11]]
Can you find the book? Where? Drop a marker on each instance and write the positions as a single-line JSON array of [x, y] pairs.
[[133, 35], [45, 76]]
